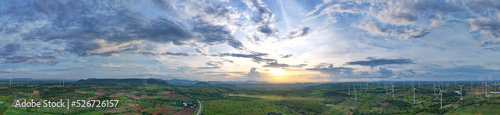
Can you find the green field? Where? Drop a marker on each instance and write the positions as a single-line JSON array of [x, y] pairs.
[[328, 99]]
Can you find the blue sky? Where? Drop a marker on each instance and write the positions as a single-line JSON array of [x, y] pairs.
[[232, 40]]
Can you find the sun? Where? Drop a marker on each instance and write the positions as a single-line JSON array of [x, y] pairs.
[[277, 71]]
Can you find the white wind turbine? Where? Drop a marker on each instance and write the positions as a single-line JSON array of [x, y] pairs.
[[413, 87], [434, 88], [461, 98], [385, 87], [355, 95], [498, 84], [392, 90], [441, 93], [486, 88], [471, 87], [366, 86], [10, 82], [349, 89]]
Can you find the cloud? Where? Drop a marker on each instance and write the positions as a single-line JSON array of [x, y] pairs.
[[80, 61], [384, 72], [407, 73], [111, 65], [10, 49], [256, 57], [215, 63], [253, 74], [263, 17], [405, 32], [373, 62], [208, 67], [335, 71], [90, 27], [14, 71], [45, 59], [298, 33], [8, 71], [175, 54], [400, 19], [287, 56], [281, 65]]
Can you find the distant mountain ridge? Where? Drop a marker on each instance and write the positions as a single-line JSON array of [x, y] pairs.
[[130, 80]]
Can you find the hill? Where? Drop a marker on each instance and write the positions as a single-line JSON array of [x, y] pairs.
[[132, 80]]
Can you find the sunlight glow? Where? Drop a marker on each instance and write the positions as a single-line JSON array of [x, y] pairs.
[[277, 71]]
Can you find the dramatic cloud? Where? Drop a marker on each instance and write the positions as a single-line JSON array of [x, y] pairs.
[[253, 74], [208, 67], [373, 62], [256, 57], [111, 65], [385, 73], [45, 59], [393, 18], [9, 49], [175, 54], [335, 71], [281, 65], [436, 39], [287, 56], [215, 63], [14, 70], [87, 25], [407, 73], [298, 33], [264, 17]]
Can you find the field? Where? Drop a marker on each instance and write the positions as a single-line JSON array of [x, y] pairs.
[[327, 99]]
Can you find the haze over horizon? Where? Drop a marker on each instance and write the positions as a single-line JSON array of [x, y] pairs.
[[278, 41]]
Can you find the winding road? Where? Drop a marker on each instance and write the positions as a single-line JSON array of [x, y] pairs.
[[200, 105]]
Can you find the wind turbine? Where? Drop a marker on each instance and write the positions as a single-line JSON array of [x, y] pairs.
[[355, 95], [434, 88], [461, 98], [496, 89], [349, 89], [419, 85], [385, 84], [471, 88], [366, 86], [441, 93], [10, 82], [486, 88], [392, 90], [413, 87]]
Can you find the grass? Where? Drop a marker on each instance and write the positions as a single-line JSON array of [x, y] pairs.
[[485, 109]]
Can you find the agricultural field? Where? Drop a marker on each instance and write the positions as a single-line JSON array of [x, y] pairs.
[[326, 99]]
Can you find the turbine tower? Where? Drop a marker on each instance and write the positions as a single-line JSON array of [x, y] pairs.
[[355, 95], [461, 98], [471, 88], [441, 93], [385, 84], [392, 90], [366, 86], [413, 87], [486, 88], [10, 82], [349, 89], [434, 88]]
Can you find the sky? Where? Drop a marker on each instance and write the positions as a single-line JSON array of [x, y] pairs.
[[277, 41]]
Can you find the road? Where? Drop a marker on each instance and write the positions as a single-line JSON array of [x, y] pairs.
[[199, 105]]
